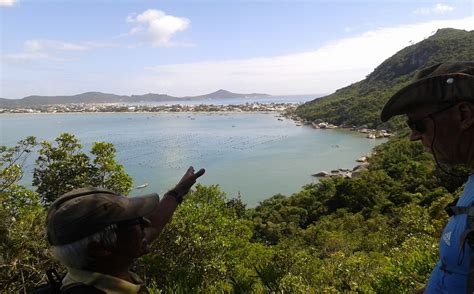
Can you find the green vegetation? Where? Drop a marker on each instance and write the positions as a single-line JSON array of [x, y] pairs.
[[61, 167], [374, 233], [360, 103], [377, 232], [24, 257]]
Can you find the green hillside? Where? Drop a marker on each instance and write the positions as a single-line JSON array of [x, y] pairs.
[[98, 97], [360, 103]]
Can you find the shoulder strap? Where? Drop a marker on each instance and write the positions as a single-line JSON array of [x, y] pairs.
[[466, 237], [470, 274], [52, 287], [456, 210], [79, 288]]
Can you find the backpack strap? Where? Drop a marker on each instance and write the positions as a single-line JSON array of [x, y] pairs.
[[468, 234], [470, 275], [466, 237], [456, 210], [54, 279], [79, 288], [453, 210], [52, 287]]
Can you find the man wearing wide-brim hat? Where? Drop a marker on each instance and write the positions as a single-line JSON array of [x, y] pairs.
[[439, 105], [97, 234]]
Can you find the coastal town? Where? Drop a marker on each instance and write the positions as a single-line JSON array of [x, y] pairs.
[[120, 107], [283, 110]]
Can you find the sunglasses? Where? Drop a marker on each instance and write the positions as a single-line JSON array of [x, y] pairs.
[[138, 221], [419, 126]]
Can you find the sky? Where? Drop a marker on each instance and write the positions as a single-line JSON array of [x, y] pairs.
[[187, 48]]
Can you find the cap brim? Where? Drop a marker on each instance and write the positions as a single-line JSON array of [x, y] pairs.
[[87, 211], [140, 206]]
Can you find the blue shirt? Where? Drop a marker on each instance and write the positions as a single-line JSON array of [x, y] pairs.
[[450, 273]]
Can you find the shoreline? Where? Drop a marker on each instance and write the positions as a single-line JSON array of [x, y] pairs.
[[283, 110], [138, 112], [166, 108]]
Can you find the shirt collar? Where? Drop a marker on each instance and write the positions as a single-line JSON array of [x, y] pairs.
[[103, 282]]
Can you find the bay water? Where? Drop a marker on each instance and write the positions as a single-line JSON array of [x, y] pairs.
[[254, 154]]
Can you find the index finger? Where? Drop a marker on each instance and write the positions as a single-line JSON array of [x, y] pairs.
[[199, 173]]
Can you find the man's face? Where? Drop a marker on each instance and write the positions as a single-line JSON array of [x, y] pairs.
[[131, 239], [440, 134]]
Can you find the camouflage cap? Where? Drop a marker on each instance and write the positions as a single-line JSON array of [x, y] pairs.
[[85, 211], [440, 83]]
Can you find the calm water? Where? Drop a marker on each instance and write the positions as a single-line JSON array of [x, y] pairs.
[[254, 154]]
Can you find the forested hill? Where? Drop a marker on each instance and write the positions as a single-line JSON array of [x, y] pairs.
[[98, 97], [360, 103]]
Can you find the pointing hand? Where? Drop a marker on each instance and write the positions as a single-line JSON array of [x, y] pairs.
[[187, 181]]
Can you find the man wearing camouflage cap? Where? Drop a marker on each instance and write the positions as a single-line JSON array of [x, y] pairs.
[[439, 105], [97, 234]]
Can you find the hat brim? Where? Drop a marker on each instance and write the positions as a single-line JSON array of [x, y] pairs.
[[139, 206], [433, 90]]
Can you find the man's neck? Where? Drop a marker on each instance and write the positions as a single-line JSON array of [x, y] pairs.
[[114, 269], [470, 155]]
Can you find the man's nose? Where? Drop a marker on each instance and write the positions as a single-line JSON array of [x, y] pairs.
[[415, 135], [146, 222]]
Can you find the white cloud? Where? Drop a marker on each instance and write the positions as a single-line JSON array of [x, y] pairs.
[[36, 50], [442, 8], [27, 57], [49, 45], [437, 9], [8, 2], [157, 27], [324, 70]]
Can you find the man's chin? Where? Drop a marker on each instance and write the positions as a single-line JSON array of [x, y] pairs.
[[441, 158], [445, 162], [145, 248]]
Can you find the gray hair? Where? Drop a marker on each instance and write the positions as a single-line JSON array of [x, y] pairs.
[[76, 255]]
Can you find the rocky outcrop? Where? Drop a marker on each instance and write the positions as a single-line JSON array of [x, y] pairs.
[[344, 172], [323, 125], [321, 174], [371, 133]]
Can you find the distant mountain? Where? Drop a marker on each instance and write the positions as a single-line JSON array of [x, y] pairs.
[[98, 97], [360, 103], [151, 97], [89, 97], [221, 94], [9, 103]]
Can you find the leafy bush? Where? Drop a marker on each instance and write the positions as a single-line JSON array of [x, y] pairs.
[[64, 166], [374, 233]]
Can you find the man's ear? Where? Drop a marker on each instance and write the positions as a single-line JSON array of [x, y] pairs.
[[466, 112], [97, 250]]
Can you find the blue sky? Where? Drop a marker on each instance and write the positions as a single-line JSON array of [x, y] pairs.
[[195, 47]]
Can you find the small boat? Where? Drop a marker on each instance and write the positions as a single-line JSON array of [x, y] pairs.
[[142, 186]]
